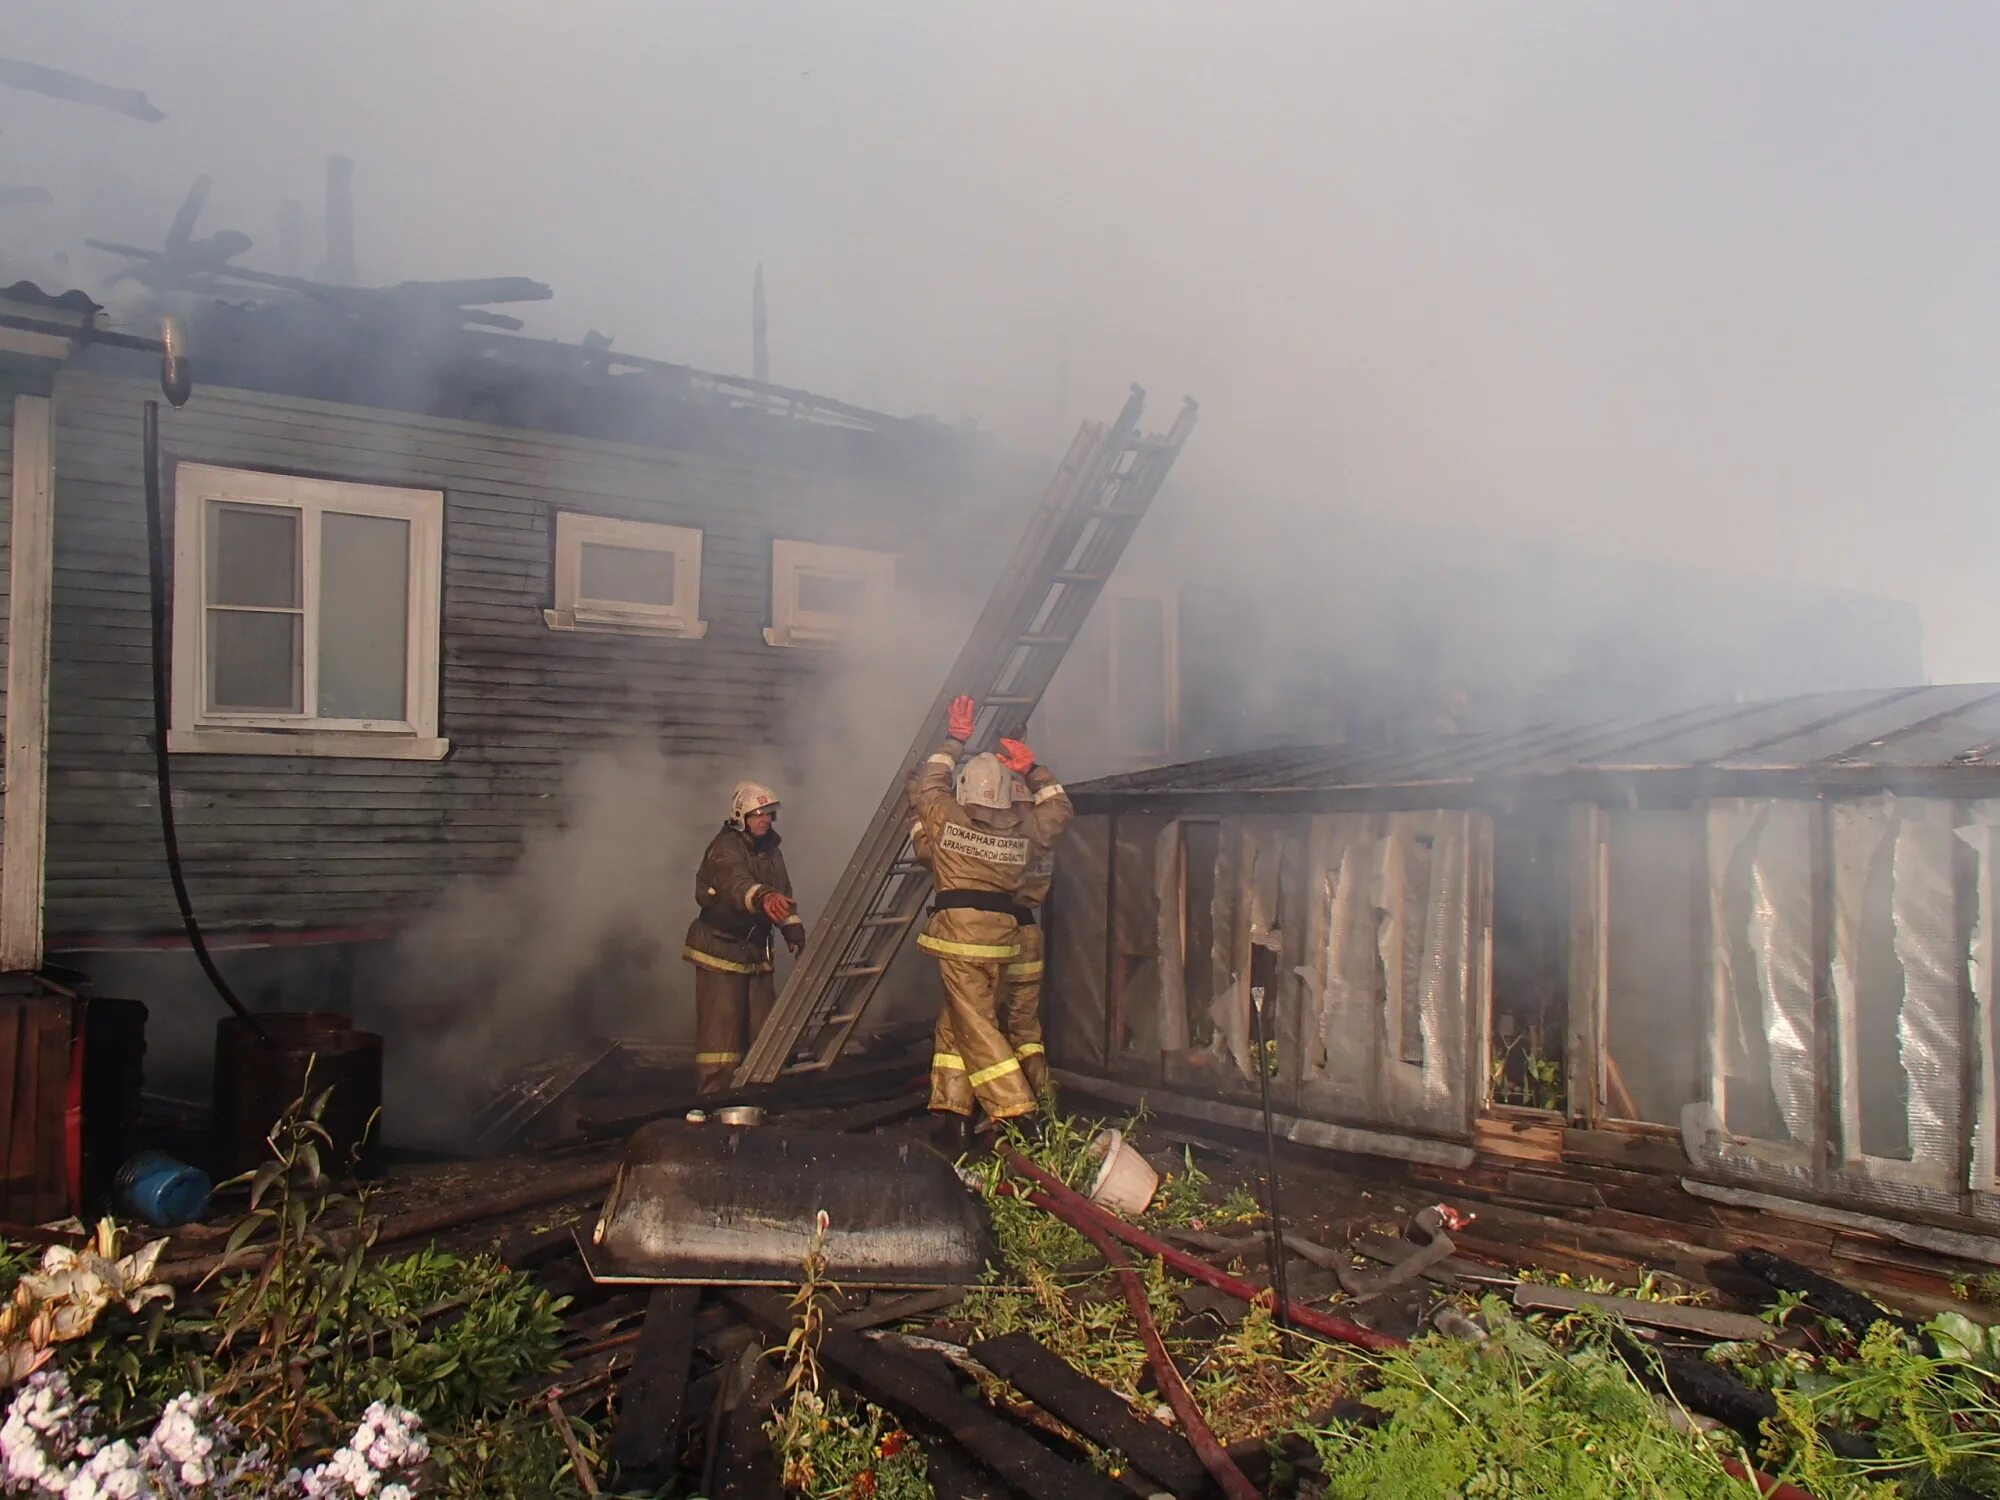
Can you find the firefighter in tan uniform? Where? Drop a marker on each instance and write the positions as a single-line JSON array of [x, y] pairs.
[[980, 843], [743, 891], [1019, 1008]]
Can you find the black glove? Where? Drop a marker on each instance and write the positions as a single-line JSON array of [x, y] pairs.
[[794, 934]]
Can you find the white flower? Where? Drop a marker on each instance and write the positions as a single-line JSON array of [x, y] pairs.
[[395, 1492]]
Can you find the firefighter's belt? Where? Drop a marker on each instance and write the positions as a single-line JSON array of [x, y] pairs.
[[973, 901], [726, 965], [1024, 916]]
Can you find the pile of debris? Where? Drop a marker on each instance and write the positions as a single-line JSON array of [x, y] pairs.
[[1102, 1354], [818, 1303]]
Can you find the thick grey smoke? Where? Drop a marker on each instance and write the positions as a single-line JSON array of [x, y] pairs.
[[1708, 282], [579, 942]]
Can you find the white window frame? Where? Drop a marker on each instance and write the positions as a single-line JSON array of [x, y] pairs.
[[792, 626], [194, 729], [575, 530]]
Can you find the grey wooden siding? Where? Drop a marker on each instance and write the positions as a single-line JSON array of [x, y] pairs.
[[312, 843]]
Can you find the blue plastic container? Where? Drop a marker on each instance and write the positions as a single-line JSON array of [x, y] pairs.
[[162, 1190]]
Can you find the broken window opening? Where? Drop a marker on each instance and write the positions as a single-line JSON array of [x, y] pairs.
[[1530, 987]]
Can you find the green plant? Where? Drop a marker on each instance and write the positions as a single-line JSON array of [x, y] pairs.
[[831, 1446], [517, 1453], [1931, 1418], [1515, 1416], [1184, 1201], [1983, 1287], [14, 1259], [1540, 1081], [284, 1330]]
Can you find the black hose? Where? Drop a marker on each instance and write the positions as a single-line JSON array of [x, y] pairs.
[[156, 549], [1280, 1282]]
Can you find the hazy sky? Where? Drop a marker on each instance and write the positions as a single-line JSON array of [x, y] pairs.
[[1709, 281]]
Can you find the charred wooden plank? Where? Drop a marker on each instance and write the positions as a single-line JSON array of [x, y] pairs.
[[649, 1413], [745, 1466], [1706, 1321], [1055, 1386], [1822, 1293], [953, 1476], [879, 1372]]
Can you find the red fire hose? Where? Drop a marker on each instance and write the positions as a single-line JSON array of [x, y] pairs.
[[1067, 1204], [1311, 1320], [1213, 1457]]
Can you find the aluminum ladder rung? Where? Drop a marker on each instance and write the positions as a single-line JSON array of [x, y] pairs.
[[1043, 640], [1009, 700], [894, 921], [856, 971], [1068, 577]]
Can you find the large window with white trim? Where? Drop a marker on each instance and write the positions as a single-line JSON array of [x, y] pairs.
[[305, 616]]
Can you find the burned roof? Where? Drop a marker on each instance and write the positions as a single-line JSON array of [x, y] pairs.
[[30, 295], [1863, 738]]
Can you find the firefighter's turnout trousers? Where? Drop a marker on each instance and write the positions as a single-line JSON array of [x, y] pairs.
[[1020, 1005], [972, 1059], [729, 1010]]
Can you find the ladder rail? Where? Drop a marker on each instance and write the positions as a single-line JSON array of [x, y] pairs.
[[1011, 654]]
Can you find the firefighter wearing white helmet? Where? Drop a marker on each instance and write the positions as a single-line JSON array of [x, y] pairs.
[[979, 843], [743, 891]]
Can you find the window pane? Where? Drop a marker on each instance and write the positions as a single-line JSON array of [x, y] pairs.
[[364, 616], [253, 661], [626, 575], [253, 556], [830, 593]]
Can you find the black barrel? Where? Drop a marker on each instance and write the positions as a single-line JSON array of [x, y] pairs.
[[256, 1079]]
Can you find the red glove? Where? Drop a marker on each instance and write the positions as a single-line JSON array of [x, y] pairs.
[[777, 906], [1016, 757], [964, 711]]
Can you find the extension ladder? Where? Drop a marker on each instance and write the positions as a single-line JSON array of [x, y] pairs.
[[1072, 542]]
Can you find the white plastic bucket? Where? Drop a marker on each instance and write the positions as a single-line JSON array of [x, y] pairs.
[[1126, 1182]]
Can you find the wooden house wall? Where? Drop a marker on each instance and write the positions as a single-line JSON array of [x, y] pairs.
[[317, 843]]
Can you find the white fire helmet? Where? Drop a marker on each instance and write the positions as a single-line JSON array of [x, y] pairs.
[[982, 782], [749, 797]]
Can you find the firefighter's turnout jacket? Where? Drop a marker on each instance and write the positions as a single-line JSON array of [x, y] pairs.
[[729, 943], [731, 934]]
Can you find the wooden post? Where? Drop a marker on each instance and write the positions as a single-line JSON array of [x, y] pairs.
[[32, 574]]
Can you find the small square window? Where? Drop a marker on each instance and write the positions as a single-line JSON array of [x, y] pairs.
[[305, 616], [629, 577], [818, 593]]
